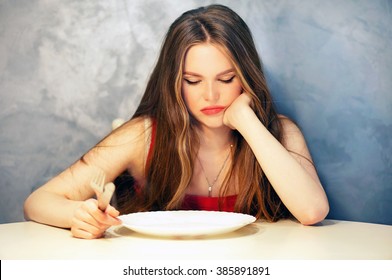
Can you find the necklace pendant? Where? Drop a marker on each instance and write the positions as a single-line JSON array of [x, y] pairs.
[[217, 176]]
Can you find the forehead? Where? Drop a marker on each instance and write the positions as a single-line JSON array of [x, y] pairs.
[[206, 59]]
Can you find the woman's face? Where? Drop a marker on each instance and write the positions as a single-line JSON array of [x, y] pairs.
[[210, 84]]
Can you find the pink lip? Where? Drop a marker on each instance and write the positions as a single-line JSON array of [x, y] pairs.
[[212, 110]]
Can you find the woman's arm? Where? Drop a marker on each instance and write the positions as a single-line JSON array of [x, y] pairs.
[[66, 200], [293, 177]]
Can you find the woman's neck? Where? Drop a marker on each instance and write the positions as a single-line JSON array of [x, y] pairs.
[[215, 138]]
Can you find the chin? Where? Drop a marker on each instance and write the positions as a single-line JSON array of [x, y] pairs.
[[212, 123]]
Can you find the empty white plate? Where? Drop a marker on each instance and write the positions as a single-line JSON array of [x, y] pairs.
[[185, 222]]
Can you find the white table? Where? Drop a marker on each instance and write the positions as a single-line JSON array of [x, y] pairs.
[[330, 240]]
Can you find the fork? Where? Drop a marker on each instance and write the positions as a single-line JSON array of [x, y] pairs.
[[104, 192]]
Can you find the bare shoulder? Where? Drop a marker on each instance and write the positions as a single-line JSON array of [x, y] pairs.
[[122, 149], [131, 131]]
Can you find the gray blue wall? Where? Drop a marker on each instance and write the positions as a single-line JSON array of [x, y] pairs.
[[68, 68]]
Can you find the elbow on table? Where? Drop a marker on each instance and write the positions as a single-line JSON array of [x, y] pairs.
[[30, 207], [27, 209], [315, 215]]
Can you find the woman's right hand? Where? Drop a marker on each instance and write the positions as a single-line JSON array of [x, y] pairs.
[[240, 107], [89, 222]]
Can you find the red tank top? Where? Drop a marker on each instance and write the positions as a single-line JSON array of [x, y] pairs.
[[197, 202]]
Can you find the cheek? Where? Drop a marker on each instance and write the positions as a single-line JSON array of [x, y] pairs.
[[187, 96], [234, 92]]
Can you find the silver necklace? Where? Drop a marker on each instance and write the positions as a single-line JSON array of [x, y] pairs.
[[210, 185]]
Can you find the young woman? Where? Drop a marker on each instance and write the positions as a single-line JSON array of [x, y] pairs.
[[205, 136]]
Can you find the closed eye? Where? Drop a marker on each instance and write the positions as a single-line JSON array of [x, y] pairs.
[[192, 82], [227, 81]]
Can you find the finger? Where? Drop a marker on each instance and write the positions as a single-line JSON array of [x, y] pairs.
[[81, 233], [89, 212], [83, 225], [84, 219], [85, 230], [99, 216], [110, 210]]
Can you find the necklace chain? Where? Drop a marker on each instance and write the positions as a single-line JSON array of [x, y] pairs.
[[210, 185]]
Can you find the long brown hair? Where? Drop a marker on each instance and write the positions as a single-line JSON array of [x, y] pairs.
[[169, 169]]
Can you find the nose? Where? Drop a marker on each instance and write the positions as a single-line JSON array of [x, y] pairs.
[[211, 93]]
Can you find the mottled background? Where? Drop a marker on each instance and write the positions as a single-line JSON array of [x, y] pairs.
[[68, 68]]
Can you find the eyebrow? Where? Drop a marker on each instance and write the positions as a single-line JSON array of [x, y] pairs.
[[219, 74]]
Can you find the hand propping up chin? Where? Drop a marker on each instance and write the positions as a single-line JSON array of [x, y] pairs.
[[238, 112]]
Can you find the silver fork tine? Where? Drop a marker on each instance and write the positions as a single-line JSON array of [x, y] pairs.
[[102, 178], [98, 184], [106, 196], [104, 192], [95, 183]]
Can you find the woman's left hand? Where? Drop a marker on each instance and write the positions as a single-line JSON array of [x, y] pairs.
[[238, 111]]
